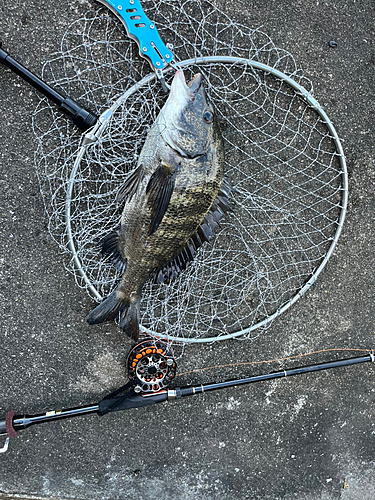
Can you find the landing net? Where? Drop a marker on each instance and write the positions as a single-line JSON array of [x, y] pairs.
[[283, 159]]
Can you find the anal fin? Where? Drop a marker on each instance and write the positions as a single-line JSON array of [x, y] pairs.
[[111, 246]]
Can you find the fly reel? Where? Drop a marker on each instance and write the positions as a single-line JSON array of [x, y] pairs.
[[151, 366]]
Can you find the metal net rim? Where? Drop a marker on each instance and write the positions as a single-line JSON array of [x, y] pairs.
[[103, 122]]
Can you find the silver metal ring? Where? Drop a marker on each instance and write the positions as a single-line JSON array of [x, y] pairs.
[[100, 127]]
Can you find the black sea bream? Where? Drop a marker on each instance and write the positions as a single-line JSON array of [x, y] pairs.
[[173, 200]]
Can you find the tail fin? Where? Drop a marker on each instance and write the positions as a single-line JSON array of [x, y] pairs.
[[113, 306], [129, 318]]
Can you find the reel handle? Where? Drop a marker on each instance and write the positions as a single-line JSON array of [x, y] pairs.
[[81, 117]]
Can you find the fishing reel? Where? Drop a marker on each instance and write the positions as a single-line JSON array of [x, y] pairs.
[[151, 366]]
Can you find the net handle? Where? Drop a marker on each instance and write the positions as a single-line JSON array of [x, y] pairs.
[[101, 126], [81, 117]]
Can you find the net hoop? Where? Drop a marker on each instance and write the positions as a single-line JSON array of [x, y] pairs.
[[104, 121]]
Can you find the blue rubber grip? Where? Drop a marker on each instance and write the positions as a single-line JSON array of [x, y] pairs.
[[142, 30]]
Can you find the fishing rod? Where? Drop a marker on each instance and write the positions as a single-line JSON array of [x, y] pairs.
[[151, 368]]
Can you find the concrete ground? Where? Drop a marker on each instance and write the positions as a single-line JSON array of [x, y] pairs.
[[304, 438]]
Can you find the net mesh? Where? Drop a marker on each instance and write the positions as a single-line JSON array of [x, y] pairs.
[[281, 158]]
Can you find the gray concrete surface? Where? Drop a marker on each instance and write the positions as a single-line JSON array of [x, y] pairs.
[[307, 438]]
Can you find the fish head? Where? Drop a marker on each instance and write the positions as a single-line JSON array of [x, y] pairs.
[[188, 118]]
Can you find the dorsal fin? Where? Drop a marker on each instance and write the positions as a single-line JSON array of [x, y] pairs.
[[218, 208], [111, 246], [131, 184]]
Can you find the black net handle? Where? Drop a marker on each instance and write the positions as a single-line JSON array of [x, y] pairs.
[[81, 117]]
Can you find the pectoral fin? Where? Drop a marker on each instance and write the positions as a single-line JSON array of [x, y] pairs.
[[159, 191], [131, 184]]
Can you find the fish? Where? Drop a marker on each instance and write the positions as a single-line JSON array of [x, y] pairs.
[[173, 201]]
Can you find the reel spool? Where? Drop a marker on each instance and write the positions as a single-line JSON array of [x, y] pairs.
[[151, 366]]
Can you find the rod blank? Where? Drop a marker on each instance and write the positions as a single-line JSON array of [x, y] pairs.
[[280, 374]]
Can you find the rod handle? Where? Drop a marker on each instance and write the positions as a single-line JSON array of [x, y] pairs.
[[133, 401]]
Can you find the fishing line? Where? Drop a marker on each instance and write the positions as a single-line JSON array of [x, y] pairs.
[[276, 360]]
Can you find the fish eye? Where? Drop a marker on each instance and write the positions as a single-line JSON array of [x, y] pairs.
[[208, 116]]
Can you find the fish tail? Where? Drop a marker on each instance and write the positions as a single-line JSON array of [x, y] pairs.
[[106, 310], [115, 305], [129, 317]]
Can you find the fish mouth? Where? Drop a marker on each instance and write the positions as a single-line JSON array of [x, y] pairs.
[[191, 88]]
